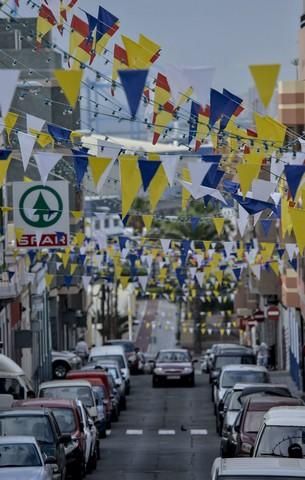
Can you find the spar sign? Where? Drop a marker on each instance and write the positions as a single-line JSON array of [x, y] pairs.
[[41, 214]]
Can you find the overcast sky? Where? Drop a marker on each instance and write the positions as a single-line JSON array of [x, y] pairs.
[[227, 34]]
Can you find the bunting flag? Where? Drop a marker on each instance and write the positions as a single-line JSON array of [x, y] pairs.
[[5, 160], [131, 182], [143, 279], [148, 169], [48, 277], [79, 32], [200, 79], [298, 218], [266, 225], [98, 167], [186, 195], [163, 107], [133, 82], [120, 62], [26, 144], [265, 79], [170, 164], [46, 161], [138, 56], [219, 224], [70, 83], [147, 219], [45, 22], [60, 134], [34, 123], [80, 164], [220, 106], [294, 175], [8, 79], [106, 26], [237, 111], [157, 187], [270, 130], [246, 174], [10, 121]]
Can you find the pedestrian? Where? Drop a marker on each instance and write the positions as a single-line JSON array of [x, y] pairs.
[[262, 355], [82, 350]]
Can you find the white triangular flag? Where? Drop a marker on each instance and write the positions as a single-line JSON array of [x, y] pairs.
[[46, 161], [165, 242], [8, 82], [242, 221], [256, 269], [262, 189], [276, 197], [200, 79], [170, 163], [228, 246], [198, 171], [291, 249], [26, 143], [34, 123], [199, 276], [86, 279], [143, 279], [193, 271]]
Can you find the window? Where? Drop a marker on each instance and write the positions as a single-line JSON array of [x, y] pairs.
[[97, 224], [275, 441], [173, 357], [69, 393], [106, 223], [36, 426], [253, 421], [12, 387], [65, 419], [116, 222], [19, 455]]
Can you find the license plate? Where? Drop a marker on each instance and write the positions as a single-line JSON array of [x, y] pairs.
[[173, 377]]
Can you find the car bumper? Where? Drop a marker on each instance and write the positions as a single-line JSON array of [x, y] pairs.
[[166, 376]]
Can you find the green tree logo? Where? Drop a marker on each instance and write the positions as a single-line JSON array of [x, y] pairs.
[[44, 215]]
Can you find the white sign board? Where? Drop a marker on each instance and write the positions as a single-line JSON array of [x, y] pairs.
[[41, 212]]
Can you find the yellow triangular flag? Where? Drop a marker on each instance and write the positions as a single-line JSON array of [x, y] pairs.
[[186, 195], [27, 179], [270, 130], [73, 267], [246, 174], [207, 244], [65, 257], [265, 78], [77, 214], [275, 268], [48, 277], [254, 158], [266, 251], [138, 56], [124, 281], [10, 120], [4, 164], [157, 187], [79, 238], [147, 219], [131, 181], [43, 139], [70, 82], [98, 166], [19, 233], [219, 224], [298, 221]]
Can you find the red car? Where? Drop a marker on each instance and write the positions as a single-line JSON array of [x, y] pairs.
[[69, 422], [250, 418], [97, 376]]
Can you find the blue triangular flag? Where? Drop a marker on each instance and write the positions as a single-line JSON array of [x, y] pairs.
[[59, 133], [122, 241], [231, 187], [294, 263], [92, 22], [236, 102], [266, 225], [237, 273], [181, 277], [220, 105], [32, 255], [68, 280], [133, 82], [105, 23], [195, 109], [82, 258], [194, 222], [10, 275], [281, 252], [124, 219], [209, 158], [80, 164], [213, 177], [294, 174], [253, 206], [5, 153], [148, 169]]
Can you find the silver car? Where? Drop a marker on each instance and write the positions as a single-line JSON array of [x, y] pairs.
[[21, 458]]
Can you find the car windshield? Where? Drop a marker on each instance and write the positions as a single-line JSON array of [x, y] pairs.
[[65, 419], [253, 421], [223, 360], [128, 347], [235, 403], [104, 358], [275, 441], [69, 393], [36, 426], [230, 378], [19, 455], [175, 357]]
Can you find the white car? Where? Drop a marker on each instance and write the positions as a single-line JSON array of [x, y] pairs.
[[21, 458], [232, 374], [282, 433], [92, 453], [111, 352], [258, 469]]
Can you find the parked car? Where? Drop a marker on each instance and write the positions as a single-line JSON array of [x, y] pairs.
[[41, 424], [70, 390], [232, 374], [92, 449], [13, 380], [69, 421], [281, 428], [21, 458], [64, 361], [111, 352], [249, 420], [258, 469], [102, 377], [130, 351], [235, 398], [218, 348], [173, 365], [100, 396], [234, 356], [113, 368]]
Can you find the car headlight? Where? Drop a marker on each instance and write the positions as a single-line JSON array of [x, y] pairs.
[[187, 370], [158, 370], [246, 448], [74, 360]]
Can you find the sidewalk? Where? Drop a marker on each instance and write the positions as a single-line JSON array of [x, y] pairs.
[[283, 377]]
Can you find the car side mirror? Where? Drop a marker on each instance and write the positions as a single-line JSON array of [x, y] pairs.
[[50, 460], [65, 438]]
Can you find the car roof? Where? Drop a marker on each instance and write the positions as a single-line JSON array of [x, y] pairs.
[[263, 402], [87, 373], [268, 386], [277, 467], [178, 350], [240, 368], [31, 411], [111, 349], [285, 416], [17, 439], [47, 403], [236, 352], [65, 383], [119, 342]]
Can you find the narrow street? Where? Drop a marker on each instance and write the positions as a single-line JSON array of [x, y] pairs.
[[148, 444]]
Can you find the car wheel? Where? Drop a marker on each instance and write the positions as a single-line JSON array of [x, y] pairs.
[[192, 381], [60, 370], [79, 471]]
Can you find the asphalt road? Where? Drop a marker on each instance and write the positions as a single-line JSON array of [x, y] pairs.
[[148, 443]]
